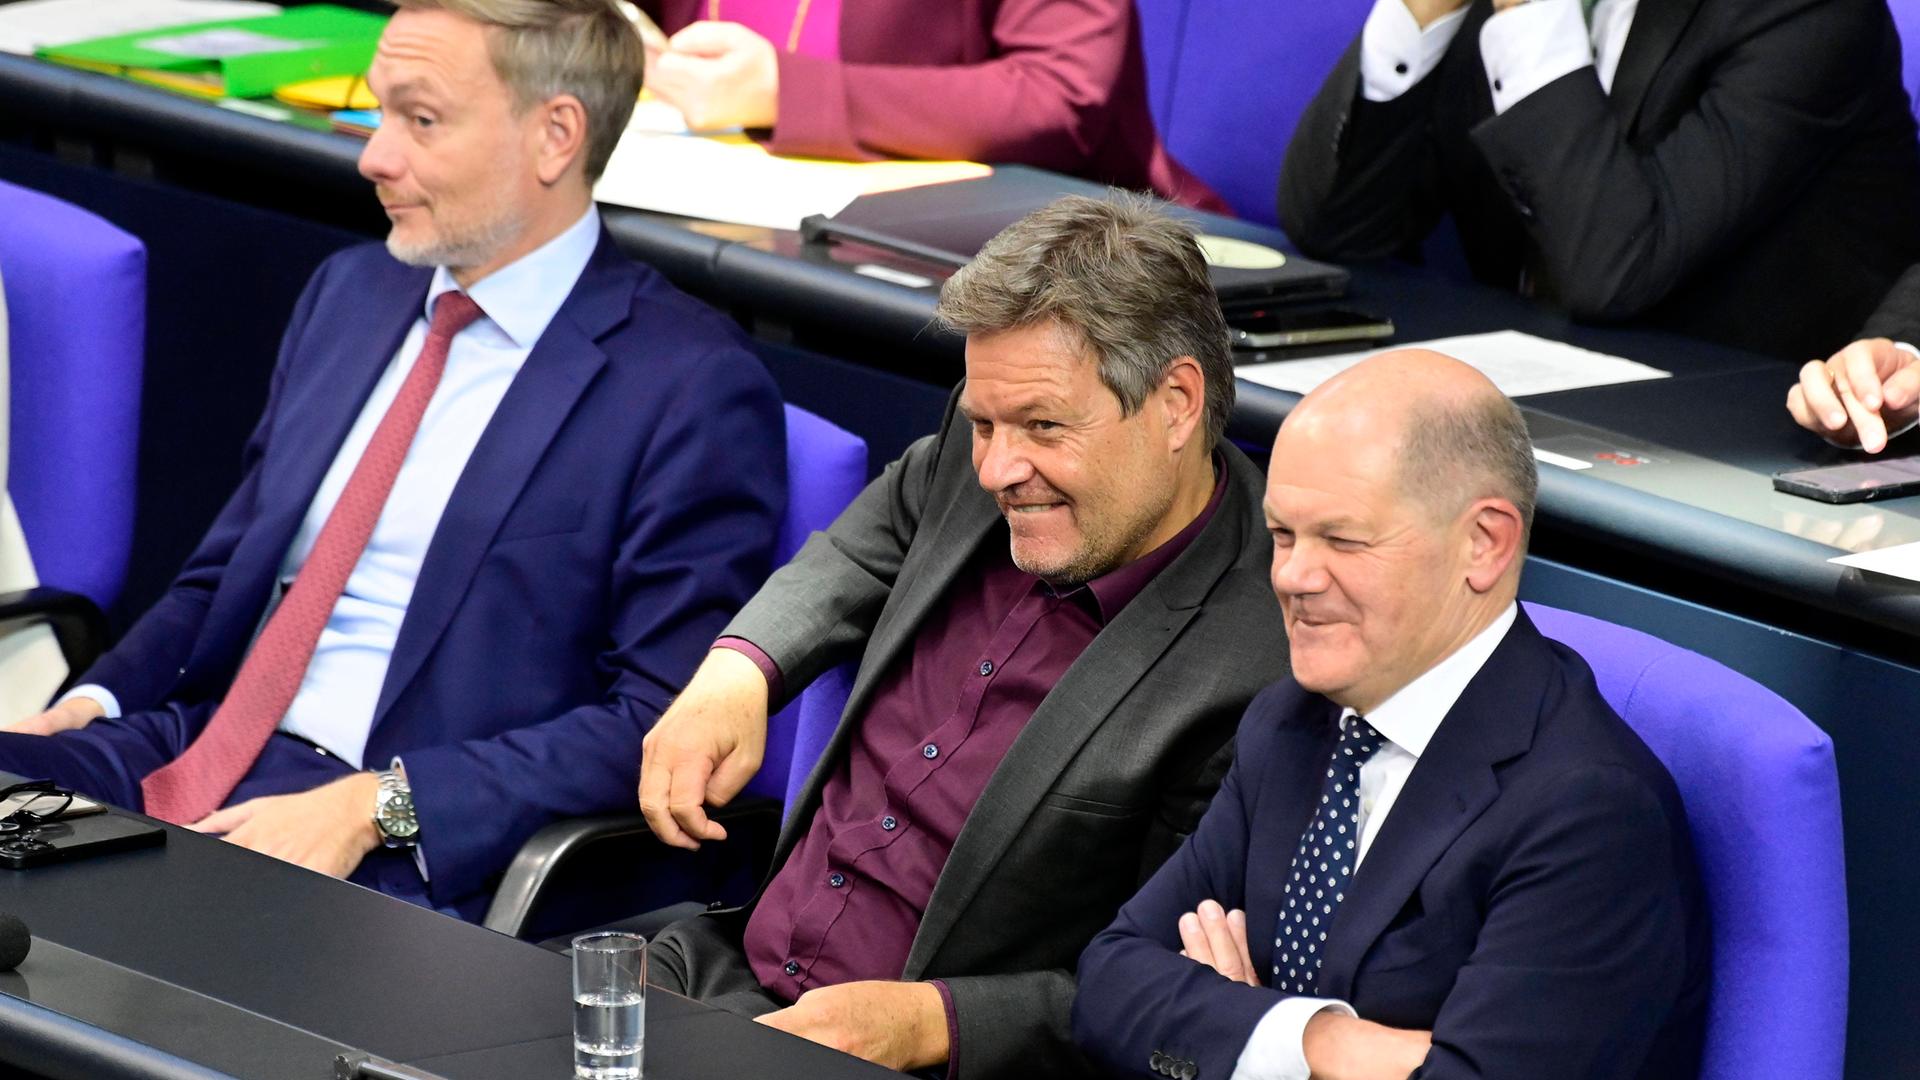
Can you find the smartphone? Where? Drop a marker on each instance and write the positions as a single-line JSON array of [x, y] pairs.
[[1277, 328], [1857, 481], [22, 847]]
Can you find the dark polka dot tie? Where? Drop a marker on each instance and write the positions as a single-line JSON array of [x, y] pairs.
[[1322, 870]]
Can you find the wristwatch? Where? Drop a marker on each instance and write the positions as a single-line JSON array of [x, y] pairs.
[[393, 811]]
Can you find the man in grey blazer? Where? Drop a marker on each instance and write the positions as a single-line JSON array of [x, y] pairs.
[[1059, 605]]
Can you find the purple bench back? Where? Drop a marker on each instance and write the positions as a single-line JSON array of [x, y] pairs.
[[826, 468], [77, 314], [1763, 802]]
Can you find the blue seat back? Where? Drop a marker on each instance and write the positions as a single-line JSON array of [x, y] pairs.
[[1227, 81], [826, 468], [1763, 804], [77, 311]]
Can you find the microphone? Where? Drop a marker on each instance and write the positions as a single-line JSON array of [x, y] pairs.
[[14, 942]]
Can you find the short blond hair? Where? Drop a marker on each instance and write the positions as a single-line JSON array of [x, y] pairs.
[[541, 48]]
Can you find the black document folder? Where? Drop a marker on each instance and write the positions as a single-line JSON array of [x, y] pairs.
[[947, 224]]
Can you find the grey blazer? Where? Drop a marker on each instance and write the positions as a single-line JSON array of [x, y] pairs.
[[1110, 774]]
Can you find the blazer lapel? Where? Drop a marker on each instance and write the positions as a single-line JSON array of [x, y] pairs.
[[1093, 687], [1451, 785], [317, 414], [967, 524], [1657, 26], [557, 371]]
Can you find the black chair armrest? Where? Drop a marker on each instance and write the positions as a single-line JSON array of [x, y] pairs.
[[77, 623], [546, 852]]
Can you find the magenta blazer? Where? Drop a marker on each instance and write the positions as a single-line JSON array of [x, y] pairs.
[[1059, 84]]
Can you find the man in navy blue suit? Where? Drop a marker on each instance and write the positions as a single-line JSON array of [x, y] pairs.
[[508, 488], [1438, 852]]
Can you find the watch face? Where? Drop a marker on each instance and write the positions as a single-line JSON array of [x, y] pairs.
[[396, 817]]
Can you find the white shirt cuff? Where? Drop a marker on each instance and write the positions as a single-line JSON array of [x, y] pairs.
[[1395, 53], [1277, 1048], [98, 693], [1530, 45]]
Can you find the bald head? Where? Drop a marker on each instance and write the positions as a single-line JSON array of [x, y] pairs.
[[1451, 436]]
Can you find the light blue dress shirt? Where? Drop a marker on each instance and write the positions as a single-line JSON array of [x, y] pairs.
[[334, 707]]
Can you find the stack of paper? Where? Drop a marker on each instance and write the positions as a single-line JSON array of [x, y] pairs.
[[32, 24], [1519, 364], [732, 178]]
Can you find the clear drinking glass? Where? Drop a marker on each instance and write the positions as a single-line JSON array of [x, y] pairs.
[[609, 1005]]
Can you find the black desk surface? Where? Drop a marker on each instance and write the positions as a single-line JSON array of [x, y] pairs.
[[1713, 432], [204, 953]]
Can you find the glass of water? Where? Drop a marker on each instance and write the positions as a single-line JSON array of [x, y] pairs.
[[609, 1005]]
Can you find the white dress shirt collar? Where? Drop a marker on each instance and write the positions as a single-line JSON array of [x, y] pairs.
[[1411, 716], [521, 298]]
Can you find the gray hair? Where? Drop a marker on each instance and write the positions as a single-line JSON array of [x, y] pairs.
[[1121, 276], [1455, 452], [542, 48]]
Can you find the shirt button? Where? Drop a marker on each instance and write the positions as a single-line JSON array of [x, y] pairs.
[[1400, 69], [836, 879], [986, 667], [1498, 85], [791, 968], [888, 823], [929, 751]]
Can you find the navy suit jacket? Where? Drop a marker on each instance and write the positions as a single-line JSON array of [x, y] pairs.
[[620, 506], [1531, 898]]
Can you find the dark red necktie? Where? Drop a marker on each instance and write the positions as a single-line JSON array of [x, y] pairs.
[[197, 782]]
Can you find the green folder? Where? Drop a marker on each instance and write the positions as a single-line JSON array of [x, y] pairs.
[[236, 57]]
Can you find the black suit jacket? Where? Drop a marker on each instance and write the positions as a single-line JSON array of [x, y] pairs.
[[1753, 177], [1112, 771], [1898, 316], [1531, 898]]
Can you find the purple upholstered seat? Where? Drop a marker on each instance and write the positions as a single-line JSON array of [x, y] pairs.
[[77, 307], [1227, 81], [1763, 802], [826, 468]]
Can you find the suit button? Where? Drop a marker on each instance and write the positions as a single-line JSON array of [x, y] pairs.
[[888, 823], [929, 751], [791, 968], [1156, 1061], [1188, 1070], [836, 879], [986, 667]]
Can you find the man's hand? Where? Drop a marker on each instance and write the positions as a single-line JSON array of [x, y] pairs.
[[1218, 939], [704, 749], [1340, 1047], [329, 829], [1426, 12], [1858, 395], [719, 75], [70, 715], [899, 1025]]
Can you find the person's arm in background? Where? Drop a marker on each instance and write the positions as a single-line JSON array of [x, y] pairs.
[[1040, 98], [1868, 392], [1358, 179], [1618, 227]]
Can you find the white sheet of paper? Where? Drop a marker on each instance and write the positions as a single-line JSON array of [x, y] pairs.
[[1519, 364], [721, 181], [31, 24], [1901, 561]]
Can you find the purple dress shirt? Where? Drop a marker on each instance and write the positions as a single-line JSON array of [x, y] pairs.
[[775, 19], [848, 902]]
